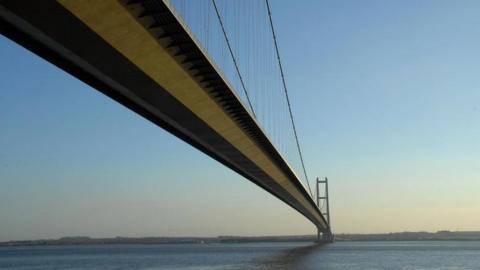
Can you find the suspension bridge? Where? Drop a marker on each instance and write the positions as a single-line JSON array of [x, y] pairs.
[[207, 71]]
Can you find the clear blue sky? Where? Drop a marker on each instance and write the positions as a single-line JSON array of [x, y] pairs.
[[386, 95]]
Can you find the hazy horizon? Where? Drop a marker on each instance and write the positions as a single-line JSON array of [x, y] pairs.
[[231, 235], [387, 103]]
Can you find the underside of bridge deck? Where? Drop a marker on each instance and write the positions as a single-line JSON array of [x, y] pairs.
[[140, 54]]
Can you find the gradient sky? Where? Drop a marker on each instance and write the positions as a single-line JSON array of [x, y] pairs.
[[386, 95]]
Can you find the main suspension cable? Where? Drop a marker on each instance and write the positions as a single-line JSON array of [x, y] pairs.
[[286, 96], [233, 57]]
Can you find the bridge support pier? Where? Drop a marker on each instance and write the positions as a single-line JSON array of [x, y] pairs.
[[324, 236]]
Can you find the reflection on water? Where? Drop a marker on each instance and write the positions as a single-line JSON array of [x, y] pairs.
[[424, 255], [256, 256], [290, 258]]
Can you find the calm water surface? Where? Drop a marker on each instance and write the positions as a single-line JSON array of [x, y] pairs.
[[341, 255]]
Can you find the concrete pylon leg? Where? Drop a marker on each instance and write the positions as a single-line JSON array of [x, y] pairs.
[[324, 237]]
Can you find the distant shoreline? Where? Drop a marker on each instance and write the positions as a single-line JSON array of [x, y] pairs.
[[402, 236]]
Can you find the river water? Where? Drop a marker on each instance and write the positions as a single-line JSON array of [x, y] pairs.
[[260, 256]]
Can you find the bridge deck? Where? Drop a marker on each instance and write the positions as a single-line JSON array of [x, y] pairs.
[[142, 55]]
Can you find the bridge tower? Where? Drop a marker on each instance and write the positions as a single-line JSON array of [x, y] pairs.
[[324, 236]]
